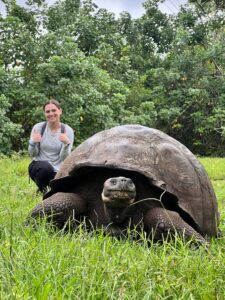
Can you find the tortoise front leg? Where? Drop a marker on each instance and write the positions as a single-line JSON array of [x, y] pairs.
[[159, 222], [60, 207]]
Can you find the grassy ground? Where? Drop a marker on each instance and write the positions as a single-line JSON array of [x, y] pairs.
[[43, 264]]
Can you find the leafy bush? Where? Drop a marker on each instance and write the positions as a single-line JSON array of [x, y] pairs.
[[8, 130]]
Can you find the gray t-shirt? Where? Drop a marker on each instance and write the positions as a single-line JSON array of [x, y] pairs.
[[50, 148]]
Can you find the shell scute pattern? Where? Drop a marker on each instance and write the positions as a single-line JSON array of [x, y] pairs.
[[163, 160]]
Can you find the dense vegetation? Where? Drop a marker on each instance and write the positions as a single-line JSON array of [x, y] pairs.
[[46, 264], [158, 70]]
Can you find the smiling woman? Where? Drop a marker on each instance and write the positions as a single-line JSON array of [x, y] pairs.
[[50, 143]]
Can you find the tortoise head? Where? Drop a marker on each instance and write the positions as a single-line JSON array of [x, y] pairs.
[[117, 195], [118, 192]]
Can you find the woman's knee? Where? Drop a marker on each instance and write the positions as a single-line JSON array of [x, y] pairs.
[[41, 172]]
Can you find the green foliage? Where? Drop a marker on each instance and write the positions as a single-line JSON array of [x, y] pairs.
[[155, 28], [188, 85], [9, 131], [158, 70]]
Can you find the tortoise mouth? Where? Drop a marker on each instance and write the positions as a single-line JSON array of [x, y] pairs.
[[116, 198], [123, 193]]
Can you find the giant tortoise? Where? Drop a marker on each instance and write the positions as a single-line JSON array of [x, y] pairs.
[[130, 177]]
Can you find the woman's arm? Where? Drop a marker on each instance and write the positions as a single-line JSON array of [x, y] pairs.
[[68, 137], [34, 142]]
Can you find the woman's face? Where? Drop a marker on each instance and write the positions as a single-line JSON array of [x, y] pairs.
[[52, 113]]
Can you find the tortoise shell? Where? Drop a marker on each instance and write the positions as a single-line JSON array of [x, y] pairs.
[[166, 163]]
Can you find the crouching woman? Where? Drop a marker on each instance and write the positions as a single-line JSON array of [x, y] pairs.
[[50, 143]]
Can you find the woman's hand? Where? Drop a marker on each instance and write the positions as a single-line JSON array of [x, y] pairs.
[[64, 138], [35, 137]]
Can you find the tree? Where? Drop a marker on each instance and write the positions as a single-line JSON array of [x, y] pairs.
[[189, 87], [9, 131], [158, 70]]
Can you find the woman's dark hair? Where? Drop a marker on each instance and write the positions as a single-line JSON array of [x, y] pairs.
[[52, 101]]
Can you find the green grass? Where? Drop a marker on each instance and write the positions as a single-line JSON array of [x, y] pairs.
[[45, 264], [215, 167]]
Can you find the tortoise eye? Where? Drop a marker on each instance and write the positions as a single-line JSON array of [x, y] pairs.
[[130, 183], [113, 181]]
